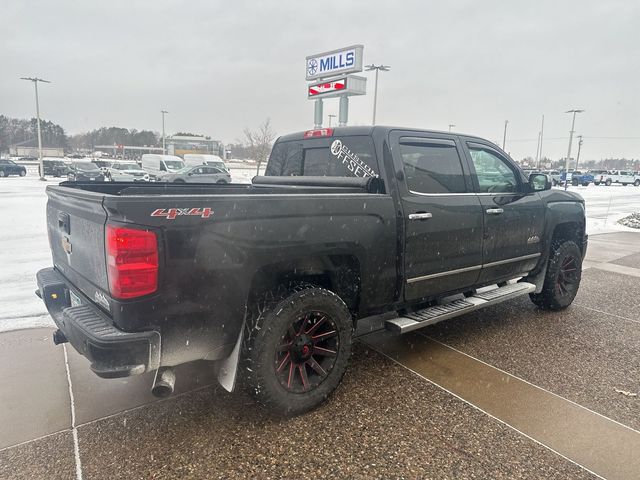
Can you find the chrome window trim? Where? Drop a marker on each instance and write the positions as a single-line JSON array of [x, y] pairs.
[[475, 267], [481, 194]]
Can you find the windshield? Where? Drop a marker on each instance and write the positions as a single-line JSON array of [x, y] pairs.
[[125, 166], [86, 166], [173, 165]]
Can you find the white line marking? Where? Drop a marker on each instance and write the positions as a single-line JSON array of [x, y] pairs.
[[529, 383], [74, 430], [607, 313], [495, 418], [34, 439]]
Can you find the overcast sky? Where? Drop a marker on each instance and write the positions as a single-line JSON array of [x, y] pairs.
[[220, 66]]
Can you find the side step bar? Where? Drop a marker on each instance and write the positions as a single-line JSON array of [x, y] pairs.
[[429, 316]]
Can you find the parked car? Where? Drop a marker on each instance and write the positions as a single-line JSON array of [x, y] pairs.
[[80, 171], [192, 159], [554, 175], [581, 178], [103, 165], [126, 172], [271, 279], [625, 177], [9, 167], [197, 174], [599, 176], [56, 168], [156, 165]]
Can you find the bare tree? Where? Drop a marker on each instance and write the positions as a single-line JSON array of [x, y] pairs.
[[259, 142]]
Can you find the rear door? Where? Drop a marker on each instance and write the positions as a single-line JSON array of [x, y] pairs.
[[513, 218], [442, 215]]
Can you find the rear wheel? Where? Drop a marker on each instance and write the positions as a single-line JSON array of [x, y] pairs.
[[562, 279], [636, 183], [574, 182], [608, 182], [596, 183], [221, 181], [585, 184], [178, 180], [296, 349], [2, 174]]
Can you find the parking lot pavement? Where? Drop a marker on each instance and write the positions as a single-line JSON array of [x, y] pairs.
[[384, 421]]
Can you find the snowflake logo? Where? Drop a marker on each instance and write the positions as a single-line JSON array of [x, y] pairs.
[[312, 66]]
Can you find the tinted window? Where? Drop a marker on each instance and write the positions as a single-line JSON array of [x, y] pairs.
[[494, 174], [327, 157], [432, 168]]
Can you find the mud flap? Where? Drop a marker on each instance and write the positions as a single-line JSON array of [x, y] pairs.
[[229, 366]]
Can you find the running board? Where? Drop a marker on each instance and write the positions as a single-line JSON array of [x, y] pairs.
[[429, 316]]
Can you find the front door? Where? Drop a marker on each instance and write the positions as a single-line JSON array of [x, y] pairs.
[[513, 216], [442, 216]]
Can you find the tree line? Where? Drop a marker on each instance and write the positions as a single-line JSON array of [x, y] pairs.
[[24, 132]]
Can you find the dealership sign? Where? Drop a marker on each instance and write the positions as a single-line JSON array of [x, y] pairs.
[[348, 85], [335, 62]]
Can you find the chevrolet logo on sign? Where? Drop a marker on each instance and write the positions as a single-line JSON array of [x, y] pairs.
[[66, 245]]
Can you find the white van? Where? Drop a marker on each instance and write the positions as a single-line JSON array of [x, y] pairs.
[[157, 165], [194, 159]]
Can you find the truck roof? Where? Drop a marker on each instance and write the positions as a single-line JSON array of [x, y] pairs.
[[372, 131]]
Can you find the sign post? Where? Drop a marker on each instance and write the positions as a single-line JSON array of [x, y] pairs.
[[330, 73]]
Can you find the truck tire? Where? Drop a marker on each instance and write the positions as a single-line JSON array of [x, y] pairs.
[[296, 348], [636, 183], [608, 182], [585, 184], [574, 182], [596, 183], [562, 279]]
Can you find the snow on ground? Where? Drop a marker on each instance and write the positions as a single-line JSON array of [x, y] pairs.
[[24, 245]]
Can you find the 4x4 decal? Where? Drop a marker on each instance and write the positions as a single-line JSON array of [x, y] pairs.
[[171, 213]]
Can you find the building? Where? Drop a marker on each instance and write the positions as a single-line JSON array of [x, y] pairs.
[[17, 151], [181, 144]]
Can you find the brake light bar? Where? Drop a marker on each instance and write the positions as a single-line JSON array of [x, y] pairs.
[[132, 262], [319, 132]]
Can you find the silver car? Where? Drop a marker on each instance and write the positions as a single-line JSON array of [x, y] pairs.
[[198, 174]]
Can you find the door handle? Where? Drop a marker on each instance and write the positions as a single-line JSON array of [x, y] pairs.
[[495, 211], [419, 216]]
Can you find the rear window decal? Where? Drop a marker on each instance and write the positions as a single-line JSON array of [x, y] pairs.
[[352, 162]]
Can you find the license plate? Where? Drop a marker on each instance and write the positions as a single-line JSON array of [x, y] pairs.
[[75, 299], [92, 178]]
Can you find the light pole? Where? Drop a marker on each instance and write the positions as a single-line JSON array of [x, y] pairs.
[[571, 132], [377, 68], [504, 137], [35, 81], [540, 138], [330, 117], [579, 148], [451, 125], [164, 150]]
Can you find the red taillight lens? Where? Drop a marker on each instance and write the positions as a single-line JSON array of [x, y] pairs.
[[132, 262], [320, 132]]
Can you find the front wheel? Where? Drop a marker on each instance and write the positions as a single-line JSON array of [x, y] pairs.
[[608, 182], [221, 181], [562, 280], [296, 349], [585, 184], [596, 183], [636, 183], [2, 174], [23, 173]]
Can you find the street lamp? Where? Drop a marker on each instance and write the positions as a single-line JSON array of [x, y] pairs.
[[571, 132], [377, 68], [504, 137], [164, 150], [451, 125], [35, 81]]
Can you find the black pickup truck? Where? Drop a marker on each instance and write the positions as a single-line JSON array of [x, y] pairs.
[[268, 280]]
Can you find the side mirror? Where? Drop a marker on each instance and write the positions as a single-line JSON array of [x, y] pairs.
[[539, 182]]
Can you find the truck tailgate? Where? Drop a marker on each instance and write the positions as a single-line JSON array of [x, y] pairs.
[[75, 224]]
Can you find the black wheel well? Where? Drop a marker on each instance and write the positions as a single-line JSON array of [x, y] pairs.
[[338, 273], [573, 231]]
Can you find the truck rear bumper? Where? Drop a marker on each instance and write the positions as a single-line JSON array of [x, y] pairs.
[[112, 352]]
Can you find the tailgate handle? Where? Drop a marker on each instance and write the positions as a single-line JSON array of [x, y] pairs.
[[64, 222]]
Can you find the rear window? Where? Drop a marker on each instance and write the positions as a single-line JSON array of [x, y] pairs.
[[352, 156]]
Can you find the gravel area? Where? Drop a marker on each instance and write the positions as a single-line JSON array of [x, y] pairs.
[[384, 422], [48, 458], [578, 353]]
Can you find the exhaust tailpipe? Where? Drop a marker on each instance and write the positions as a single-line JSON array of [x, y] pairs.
[[164, 382]]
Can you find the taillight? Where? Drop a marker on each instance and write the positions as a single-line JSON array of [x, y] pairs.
[[320, 132], [132, 262]]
